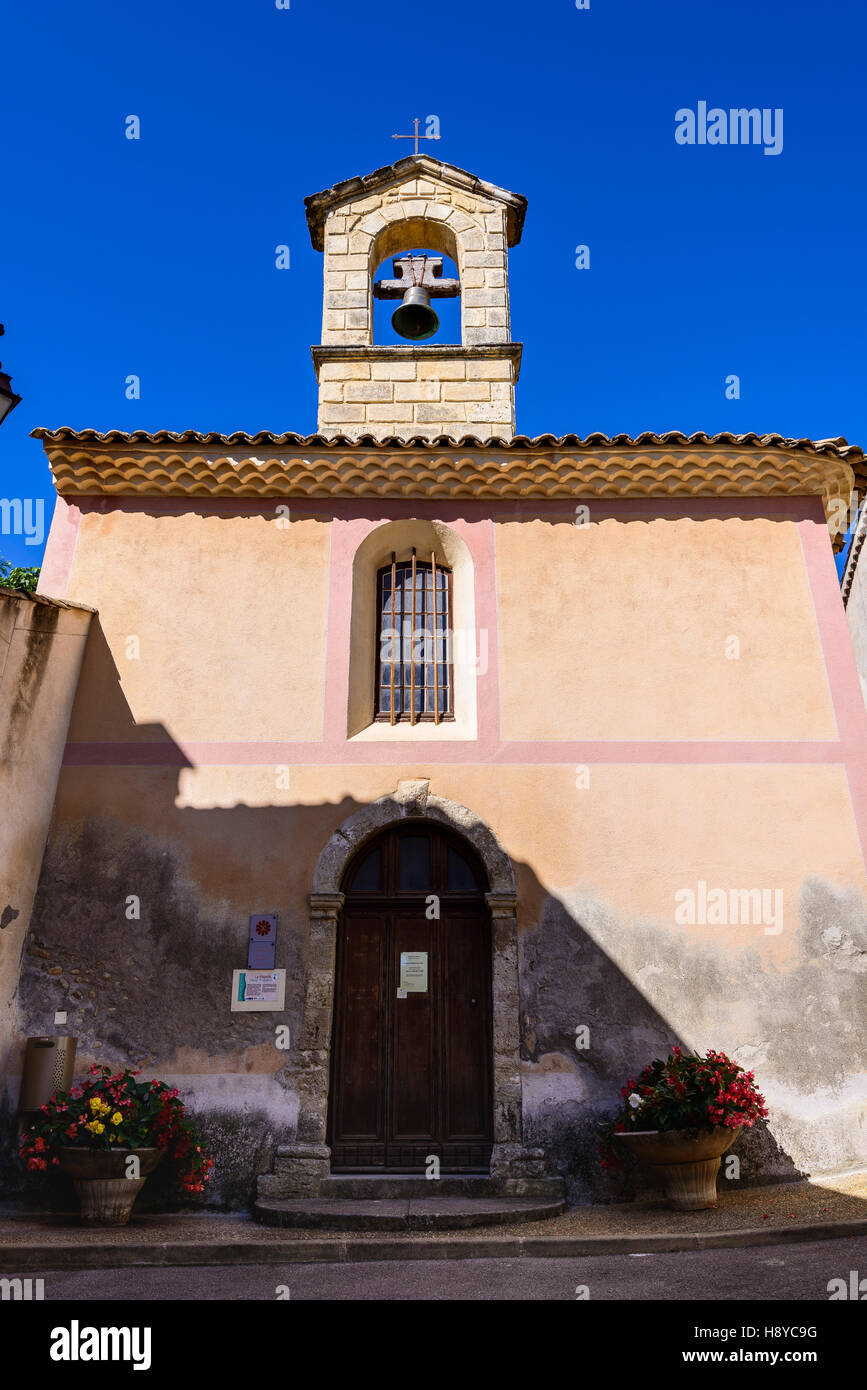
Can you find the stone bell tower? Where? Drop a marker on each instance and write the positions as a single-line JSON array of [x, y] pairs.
[[429, 388]]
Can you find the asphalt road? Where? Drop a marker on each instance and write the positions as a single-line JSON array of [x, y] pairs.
[[761, 1273]]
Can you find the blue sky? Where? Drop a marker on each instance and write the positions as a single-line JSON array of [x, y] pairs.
[[156, 257]]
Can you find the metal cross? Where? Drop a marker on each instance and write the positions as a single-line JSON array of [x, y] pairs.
[[416, 137], [413, 271]]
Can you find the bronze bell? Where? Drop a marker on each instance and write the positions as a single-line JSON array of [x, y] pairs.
[[415, 319]]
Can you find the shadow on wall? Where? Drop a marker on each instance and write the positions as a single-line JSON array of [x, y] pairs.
[[151, 990]]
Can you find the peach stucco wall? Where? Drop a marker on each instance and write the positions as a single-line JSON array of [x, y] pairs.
[[227, 615], [631, 835], [598, 867], [623, 629], [605, 643], [655, 621], [618, 748], [620, 756]]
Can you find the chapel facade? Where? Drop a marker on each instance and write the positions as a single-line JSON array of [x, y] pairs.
[[546, 754]]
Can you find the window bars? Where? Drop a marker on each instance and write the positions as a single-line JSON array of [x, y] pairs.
[[414, 666]]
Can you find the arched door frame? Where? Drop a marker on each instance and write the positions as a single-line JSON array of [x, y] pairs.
[[306, 1161], [432, 1059]]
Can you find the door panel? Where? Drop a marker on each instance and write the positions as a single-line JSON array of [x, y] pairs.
[[413, 1072], [466, 1010], [363, 1048]]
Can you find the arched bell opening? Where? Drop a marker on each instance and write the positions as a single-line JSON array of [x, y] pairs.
[[416, 298], [418, 259]]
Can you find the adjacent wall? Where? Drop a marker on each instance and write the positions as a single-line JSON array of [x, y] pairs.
[[41, 649]]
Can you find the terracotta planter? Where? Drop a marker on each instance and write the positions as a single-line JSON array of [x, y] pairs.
[[686, 1166], [105, 1193]]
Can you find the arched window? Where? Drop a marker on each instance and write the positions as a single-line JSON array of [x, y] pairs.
[[414, 649], [435, 684]]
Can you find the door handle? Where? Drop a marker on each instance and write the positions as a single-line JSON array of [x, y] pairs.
[[473, 1003]]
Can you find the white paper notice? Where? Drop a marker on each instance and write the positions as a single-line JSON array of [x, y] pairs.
[[261, 986], [413, 971]]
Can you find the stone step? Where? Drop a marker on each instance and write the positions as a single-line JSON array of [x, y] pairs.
[[405, 1214], [370, 1187], [395, 1185]]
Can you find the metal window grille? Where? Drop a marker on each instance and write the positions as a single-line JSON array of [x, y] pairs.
[[414, 681]]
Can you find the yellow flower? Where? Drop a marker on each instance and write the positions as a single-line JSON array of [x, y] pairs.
[[95, 1127], [116, 1117], [95, 1104]]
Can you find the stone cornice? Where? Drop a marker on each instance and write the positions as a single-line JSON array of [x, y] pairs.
[[425, 470], [325, 905], [435, 352]]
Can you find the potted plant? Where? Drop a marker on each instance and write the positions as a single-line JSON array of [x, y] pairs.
[[108, 1133], [679, 1117]]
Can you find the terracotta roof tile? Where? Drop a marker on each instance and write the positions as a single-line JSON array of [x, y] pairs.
[[838, 447], [192, 464]]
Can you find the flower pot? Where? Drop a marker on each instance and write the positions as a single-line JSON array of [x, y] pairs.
[[105, 1192], [685, 1164]]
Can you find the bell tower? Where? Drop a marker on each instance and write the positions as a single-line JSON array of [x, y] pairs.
[[425, 387]]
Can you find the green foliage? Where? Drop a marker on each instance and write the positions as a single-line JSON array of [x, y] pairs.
[[116, 1109], [18, 577]]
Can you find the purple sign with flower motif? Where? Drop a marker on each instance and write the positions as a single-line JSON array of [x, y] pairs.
[[263, 939]]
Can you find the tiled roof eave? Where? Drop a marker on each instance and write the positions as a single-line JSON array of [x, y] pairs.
[[189, 464], [838, 447]]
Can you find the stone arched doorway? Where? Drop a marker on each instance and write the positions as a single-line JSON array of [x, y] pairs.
[[306, 1161], [411, 1054]]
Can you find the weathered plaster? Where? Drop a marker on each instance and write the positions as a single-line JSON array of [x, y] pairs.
[[640, 987], [154, 992], [41, 648]]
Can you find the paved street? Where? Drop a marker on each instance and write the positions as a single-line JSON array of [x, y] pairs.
[[762, 1273]]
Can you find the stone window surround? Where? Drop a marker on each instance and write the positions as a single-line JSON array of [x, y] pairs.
[[306, 1161], [453, 553]]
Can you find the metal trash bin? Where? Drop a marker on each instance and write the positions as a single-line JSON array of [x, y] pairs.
[[48, 1067]]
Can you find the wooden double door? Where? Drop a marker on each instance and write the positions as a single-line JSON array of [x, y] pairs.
[[412, 1049]]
